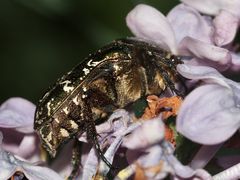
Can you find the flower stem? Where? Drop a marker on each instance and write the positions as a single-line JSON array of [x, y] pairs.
[[204, 155]]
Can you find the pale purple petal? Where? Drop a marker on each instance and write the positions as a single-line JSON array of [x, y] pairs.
[[163, 153], [10, 163], [120, 119], [1, 139], [90, 166], [109, 155], [208, 63], [201, 174], [62, 164], [202, 50], [28, 146], [17, 113], [211, 75], [12, 140], [148, 23], [23, 145], [111, 132], [226, 25], [186, 21], [142, 137], [180, 170], [38, 172], [205, 73], [7, 168], [205, 112], [235, 67], [213, 7], [153, 156]]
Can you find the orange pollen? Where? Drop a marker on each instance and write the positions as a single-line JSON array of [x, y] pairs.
[[168, 106]]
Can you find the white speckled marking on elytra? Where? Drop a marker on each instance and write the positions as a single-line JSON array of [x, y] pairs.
[[84, 88], [86, 71], [93, 64], [76, 100], [69, 72], [116, 67], [49, 108], [56, 119], [65, 110], [84, 96], [64, 132], [49, 136], [45, 95], [129, 55], [73, 124], [149, 53], [66, 87]]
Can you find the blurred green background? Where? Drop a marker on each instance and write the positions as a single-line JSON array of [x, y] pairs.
[[42, 39]]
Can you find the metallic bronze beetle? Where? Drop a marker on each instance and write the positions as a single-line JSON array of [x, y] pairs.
[[111, 78]]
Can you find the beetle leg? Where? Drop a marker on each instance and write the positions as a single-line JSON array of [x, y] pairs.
[[92, 135], [170, 65], [76, 159], [107, 82], [91, 130], [168, 80]]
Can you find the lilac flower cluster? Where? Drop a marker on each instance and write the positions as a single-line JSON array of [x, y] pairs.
[[200, 31]]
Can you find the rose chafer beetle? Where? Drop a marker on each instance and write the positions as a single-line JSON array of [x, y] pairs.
[[111, 78]]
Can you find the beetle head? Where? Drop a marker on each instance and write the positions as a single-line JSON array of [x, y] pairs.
[[175, 60]]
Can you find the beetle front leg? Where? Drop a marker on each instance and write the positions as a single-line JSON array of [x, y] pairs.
[[76, 159], [168, 81], [90, 129]]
